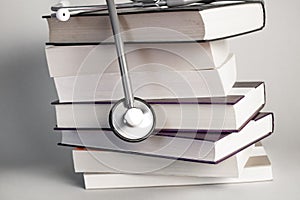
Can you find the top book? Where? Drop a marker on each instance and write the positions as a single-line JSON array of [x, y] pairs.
[[191, 23]]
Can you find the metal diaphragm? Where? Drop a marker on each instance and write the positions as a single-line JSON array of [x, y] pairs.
[[127, 132]]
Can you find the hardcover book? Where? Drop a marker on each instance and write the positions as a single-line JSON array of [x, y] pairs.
[[99, 161], [229, 113], [74, 60], [198, 23], [189, 146], [149, 81]]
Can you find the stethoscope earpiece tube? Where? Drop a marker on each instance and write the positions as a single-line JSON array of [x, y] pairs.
[[131, 119], [113, 16], [175, 3]]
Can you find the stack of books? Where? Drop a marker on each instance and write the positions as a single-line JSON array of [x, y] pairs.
[[208, 124]]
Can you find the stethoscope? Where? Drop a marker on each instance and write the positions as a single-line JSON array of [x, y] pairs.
[[63, 10], [131, 119]]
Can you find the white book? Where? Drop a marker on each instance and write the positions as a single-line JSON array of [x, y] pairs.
[[95, 161], [188, 146], [74, 60], [228, 113], [151, 81], [197, 22], [257, 168]]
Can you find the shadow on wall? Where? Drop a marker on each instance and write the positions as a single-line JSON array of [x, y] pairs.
[[26, 116]]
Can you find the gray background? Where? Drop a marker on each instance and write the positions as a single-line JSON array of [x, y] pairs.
[[33, 167]]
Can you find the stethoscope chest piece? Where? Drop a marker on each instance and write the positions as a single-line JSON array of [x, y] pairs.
[[134, 124]]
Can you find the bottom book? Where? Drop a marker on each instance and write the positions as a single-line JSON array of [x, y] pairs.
[[257, 168]]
